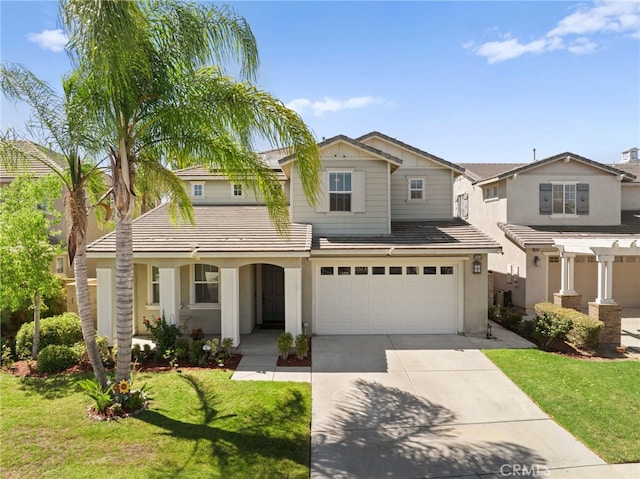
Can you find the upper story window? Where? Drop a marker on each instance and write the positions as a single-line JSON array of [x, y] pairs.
[[416, 189], [197, 190], [206, 284], [564, 198], [237, 190], [340, 191], [491, 192], [462, 205]]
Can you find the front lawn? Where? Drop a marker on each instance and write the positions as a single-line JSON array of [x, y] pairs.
[[596, 401], [200, 424]]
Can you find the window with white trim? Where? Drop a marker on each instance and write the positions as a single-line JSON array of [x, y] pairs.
[[206, 284], [491, 192], [563, 199], [154, 293], [236, 190], [197, 189], [416, 189], [340, 191]]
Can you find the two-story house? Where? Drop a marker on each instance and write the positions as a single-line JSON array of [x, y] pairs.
[[567, 225], [380, 253]]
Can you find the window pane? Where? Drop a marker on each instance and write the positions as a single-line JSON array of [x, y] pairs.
[[569, 199], [326, 270], [412, 270], [155, 295], [416, 194], [558, 199], [339, 182], [361, 270], [155, 274], [377, 270], [237, 190], [344, 270], [207, 293], [446, 269], [340, 202], [395, 269], [429, 270]]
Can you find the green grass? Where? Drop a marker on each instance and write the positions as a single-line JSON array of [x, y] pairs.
[[596, 401], [200, 424]]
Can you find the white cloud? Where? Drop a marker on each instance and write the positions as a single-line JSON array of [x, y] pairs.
[[599, 18], [54, 40], [327, 104]]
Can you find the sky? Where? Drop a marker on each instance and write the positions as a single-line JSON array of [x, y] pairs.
[[468, 81]]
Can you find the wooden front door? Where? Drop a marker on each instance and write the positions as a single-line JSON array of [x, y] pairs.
[[272, 294]]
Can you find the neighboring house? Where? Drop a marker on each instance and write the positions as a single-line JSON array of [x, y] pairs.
[[380, 253], [37, 169], [567, 225]]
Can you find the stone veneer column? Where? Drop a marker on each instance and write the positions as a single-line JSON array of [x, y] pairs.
[[610, 315], [573, 301]]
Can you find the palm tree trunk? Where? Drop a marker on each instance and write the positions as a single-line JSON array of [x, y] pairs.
[[84, 311], [124, 278], [37, 301]]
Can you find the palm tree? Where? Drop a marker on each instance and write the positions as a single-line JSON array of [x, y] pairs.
[[61, 122], [159, 100]]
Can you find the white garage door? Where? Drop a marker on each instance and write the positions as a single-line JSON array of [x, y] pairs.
[[386, 298]]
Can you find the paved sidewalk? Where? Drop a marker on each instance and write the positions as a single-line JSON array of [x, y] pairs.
[[259, 357], [433, 406]]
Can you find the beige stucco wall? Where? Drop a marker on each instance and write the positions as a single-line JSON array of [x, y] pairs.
[[475, 299], [631, 196], [604, 195], [375, 218]]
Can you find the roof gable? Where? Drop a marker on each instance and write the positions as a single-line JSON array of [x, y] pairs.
[[566, 157], [409, 148]]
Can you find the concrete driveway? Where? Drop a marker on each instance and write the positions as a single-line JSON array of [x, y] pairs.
[[432, 406]]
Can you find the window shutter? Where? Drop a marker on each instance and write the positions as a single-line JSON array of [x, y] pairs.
[[545, 198], [323, 194], [582, 200], [465, 206], [357, 192]]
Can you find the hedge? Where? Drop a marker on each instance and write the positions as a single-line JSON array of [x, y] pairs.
[[56, 358], [61, 330], [583, 332]]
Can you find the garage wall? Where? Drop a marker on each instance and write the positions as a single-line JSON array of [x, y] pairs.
[[475, 299]]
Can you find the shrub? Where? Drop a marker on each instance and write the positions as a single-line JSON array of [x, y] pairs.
[[164, 335], [227, 346], [302, 346], [585, 330], [552, 323], [197, 355], [182, 348], [101, 399], [527, 329], [285, 342], [494, 312], [55, 358], [136, 352], [510, 318], [62, 330]]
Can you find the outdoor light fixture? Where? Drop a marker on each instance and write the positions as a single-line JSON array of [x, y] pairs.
[[536, 260], [477, 265]]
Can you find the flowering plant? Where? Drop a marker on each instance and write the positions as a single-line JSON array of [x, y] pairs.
[[164, 334], [119, 400]]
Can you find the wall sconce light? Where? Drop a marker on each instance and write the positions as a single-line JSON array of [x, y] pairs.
[[536, 260], [477, 264]]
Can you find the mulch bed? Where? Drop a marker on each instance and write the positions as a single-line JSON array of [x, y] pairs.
[[292, 359], [28, 368]]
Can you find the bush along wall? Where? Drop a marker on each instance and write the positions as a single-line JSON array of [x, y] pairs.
[[579, 329], [62, 330]]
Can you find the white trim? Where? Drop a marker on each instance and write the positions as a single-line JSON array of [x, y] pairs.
[[423, 189], [293, 300], [192, 191], [230, 304]]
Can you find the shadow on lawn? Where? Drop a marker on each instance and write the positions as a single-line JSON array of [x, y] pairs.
[[53, 387], [381, 431], [234, 451]]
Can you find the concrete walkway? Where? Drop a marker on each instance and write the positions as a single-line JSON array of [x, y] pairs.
[[433, 406], [259, 357], [631, 330]]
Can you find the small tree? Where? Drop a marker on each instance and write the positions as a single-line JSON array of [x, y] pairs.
[[27, 218]]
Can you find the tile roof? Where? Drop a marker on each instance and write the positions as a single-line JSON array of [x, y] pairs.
[[390, 158], [542, 236], [217, 229], [455, 167], [479, 172], [447, 235], [631, 168], [33, 166]]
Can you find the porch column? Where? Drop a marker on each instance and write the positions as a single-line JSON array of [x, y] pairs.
[[605, 280], [169, 280], [567, 272], [105, 302], [230, 304], [293, 300]]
